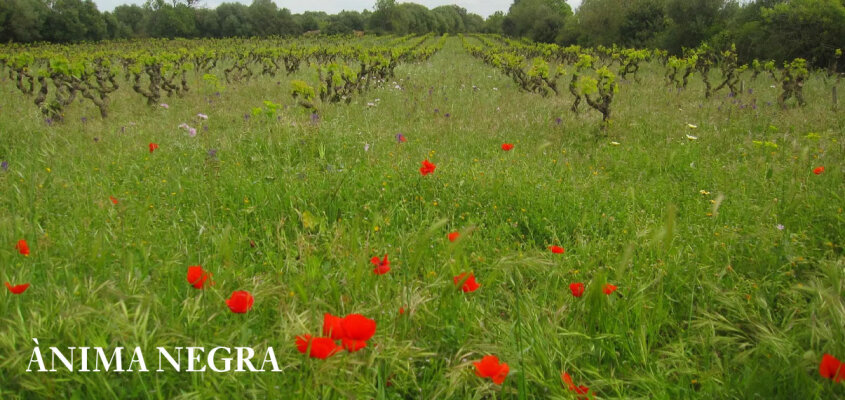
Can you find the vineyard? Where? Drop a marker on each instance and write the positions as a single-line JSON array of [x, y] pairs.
[[389, 212]]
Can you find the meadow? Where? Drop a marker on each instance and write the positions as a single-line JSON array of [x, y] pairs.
[[725, 247]]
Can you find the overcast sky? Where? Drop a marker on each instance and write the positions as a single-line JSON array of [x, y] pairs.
[[480, 7]]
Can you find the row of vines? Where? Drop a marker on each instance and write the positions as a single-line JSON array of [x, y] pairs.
[[55, 76], [593, 73]]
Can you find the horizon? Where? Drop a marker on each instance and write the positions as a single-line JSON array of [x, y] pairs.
[[484, 8]]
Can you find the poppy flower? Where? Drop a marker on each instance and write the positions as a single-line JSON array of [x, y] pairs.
[[557, 249], [818, 170], [153, 147], [332, 326], [469, 285], [577, 289], [240, 301], [382, 266], [454, 236], [17, 289], [427, 168], [401, 310], [608, 288], [400, 138], [830, 368], [197, 276], [22, 247], [507, 146], [321, 347], [573, 388], [113, 199], [490, 367], [357, 329]]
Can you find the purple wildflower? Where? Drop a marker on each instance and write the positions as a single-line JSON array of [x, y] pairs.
[[192, 132], [49, 121], [84, 120], [558, 120], [4, 165], [447, 115], [400, 138], [212, 153], [315, 118], [780, 227]]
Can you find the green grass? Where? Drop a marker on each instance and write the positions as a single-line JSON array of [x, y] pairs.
[[713, 302]]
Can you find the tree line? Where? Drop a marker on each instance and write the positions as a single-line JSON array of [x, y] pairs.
[[761, 29]]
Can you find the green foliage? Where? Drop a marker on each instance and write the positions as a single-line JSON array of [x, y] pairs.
[[727, 249], [301, 88], [538, 20]]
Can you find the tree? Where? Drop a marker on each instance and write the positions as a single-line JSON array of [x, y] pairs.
[[345, 22], [166, 21], [493, 23], [131, 19], [809, 29], [234, 20], [22, 20], [692, 22], [264, 17], [539, 20], [381, 20], [642, 24], [74, 21]]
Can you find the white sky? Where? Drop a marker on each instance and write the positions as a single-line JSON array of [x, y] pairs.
[[480, 7]]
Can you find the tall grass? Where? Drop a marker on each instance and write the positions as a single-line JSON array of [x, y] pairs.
[[714, 300]]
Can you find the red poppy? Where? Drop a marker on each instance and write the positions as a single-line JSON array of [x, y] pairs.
[[454, 236], [18, 289], [240, 301], [427, 168], [831, 368], [153, 147], [357, 329], [557, 249], [197, 276], [489, 367], [382, 266], [113, 199], [321, 348], [577, 289], [573, 388], [608, 288], [22, 247], [818, 170], [401, 310], [469, 285], [507, 146], [332, 326]]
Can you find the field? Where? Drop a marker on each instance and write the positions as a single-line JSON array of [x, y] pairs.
[[706, 214]]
